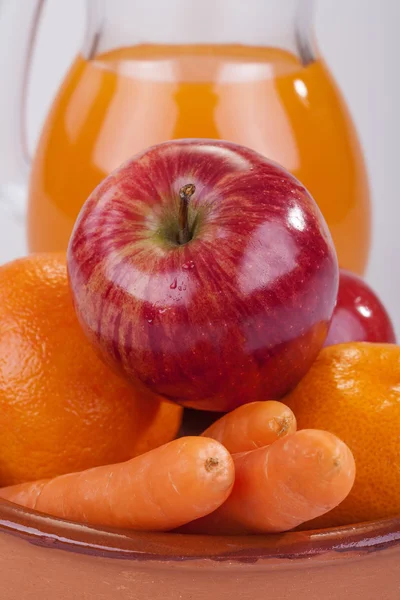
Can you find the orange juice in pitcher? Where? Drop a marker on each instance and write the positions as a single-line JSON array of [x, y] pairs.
[[245, 72], [122, 101]]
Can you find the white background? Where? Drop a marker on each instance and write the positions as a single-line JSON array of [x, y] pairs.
[[360, 41]]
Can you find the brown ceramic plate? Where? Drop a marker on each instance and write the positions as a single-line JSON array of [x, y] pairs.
[[47, 558]]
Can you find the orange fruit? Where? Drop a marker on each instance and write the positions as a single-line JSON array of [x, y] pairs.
[[61, 408], [353, 391]]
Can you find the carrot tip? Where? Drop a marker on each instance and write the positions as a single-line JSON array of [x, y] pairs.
[[211, 463], [282, 425]]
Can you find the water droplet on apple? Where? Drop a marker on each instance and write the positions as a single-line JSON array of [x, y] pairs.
[[174, 284], [161, 311], [188, 265], [180, 288], [149, 313]]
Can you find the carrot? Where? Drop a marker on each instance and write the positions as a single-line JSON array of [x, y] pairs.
[[278, 487], [253, 426], [157, 491]]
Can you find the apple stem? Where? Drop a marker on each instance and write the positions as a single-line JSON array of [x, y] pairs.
[[185, 193]]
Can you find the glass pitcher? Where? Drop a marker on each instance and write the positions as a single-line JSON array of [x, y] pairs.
[[151, 70]]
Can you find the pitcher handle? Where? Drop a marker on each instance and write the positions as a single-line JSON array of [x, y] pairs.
[[18, 28]]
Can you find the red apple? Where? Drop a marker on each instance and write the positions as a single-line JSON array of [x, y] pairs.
[[205, 272], [359, 315]]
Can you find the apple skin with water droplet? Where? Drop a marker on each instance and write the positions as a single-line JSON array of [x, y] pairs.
[[359, 315], [231, 309]]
